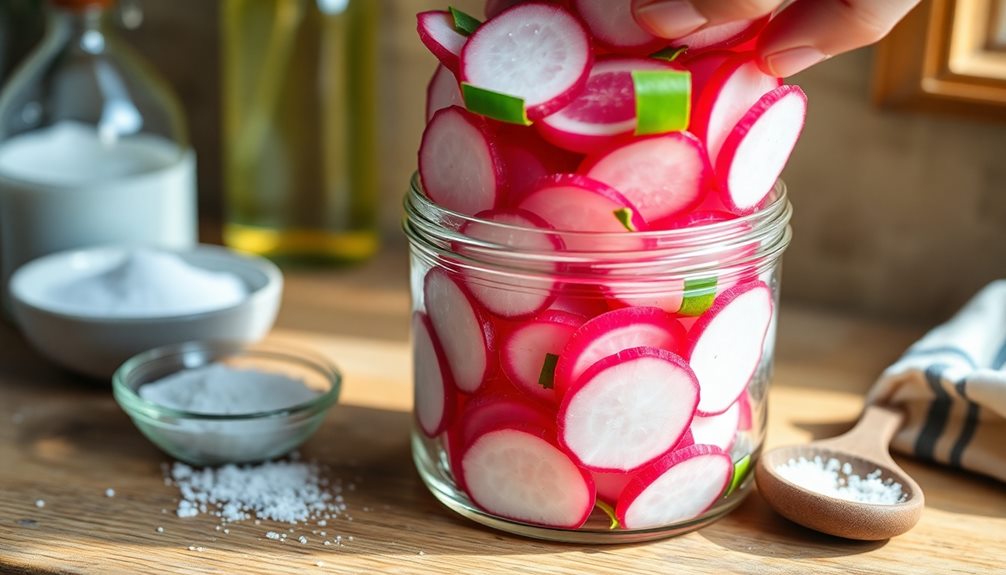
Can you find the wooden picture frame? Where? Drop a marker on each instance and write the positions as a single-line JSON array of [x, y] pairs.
[[946, 56]]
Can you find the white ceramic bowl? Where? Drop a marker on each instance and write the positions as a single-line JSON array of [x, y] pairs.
[[96, 346]]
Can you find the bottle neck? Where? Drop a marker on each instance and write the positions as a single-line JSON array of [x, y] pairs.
[[86, 27]]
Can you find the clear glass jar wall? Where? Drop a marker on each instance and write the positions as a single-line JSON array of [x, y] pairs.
[[592, 387]]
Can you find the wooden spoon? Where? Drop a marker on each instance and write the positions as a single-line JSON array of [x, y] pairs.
[[865, 448]]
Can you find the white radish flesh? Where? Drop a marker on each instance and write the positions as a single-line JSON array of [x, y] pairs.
[[529, 352], [611, 23], [458, 164], [442, 92], [718, 430], [436, 31], [432, 378], [466, 336]]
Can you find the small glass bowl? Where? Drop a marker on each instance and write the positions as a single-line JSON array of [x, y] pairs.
[[207, 439]]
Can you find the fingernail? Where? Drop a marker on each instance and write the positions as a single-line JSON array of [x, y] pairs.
[[671, 19], [789, 62]]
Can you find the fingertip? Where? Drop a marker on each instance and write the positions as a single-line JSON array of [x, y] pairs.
[[669, 19]]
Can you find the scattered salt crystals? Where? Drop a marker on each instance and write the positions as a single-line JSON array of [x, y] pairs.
[[196, 549], [160, 530], [422, 553], [272, 535], [836, 479], [322, 523], [148, 283], [40, 503], [319, 563], [302, 539], [109, 492], [327, 542]]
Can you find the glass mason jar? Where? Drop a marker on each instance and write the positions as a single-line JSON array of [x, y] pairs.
[[592, 387]]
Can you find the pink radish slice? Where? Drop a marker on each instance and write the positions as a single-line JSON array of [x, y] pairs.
[[433, 386], [697, 218], [611, 23], [722, 36], [458, 163], [728, 95], [510, 297], [628, 409], [527, 158], [535, 51], [489, 411], [667, 296], [744, 416], [436, 31], [610, 485], [725, 344], [464, 333], [528, 354], [662, 175], [574, 203], [604, 111], [754, 154], [612, 332], [442, 92], [585, 300], [703, 67], [518, 473], [677, 487], [718, 430]]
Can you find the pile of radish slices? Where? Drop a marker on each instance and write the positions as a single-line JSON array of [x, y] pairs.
[[568, 116]]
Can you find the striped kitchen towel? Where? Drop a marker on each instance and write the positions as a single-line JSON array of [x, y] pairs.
[[952, 386]]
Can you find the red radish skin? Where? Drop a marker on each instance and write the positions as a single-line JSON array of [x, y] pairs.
[[725, 344], [527, 159], [434, 390], [535, 51], [523, 351], [464, 333], [459, 165], [628, 409], [718, 430], [574, 203], [585, 300], [517, 472], [612, 25], [603, 113], [503, 296], [436, 31], [744, 422], [612, 332], [677, 487], [662, 176], [610, 485], [757, 149], [729, 94], [722, 36], [442, 92], [697, 218], [703, 67], [488, 411]]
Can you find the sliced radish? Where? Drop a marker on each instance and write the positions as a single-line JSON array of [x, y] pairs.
[[511, 297], [611, 23], [517, 472], [534, 51], [585, 300], [725, 344], [528, 355], [458, 163], [745, 416], [718, 430], [668, 296], [610, 484], [628, 409], [437, 32], [697, 218], [604, 111], [756, 151], [488, 411], [728, 95], [722, 36], [612, 332], [703, 67], [662, 176], [574, 203], [527, 158], [433, 385], [677, 487], [464, 333], [442, 92], [495, 7]]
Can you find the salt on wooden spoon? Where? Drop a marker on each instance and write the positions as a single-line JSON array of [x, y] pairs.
[[865, 450]]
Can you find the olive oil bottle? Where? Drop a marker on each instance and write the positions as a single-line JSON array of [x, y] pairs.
[[299, 80]]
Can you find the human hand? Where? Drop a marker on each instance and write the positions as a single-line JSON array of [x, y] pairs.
[[804, 33]]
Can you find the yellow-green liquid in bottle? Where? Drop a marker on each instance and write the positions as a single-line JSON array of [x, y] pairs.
[[298, 111]]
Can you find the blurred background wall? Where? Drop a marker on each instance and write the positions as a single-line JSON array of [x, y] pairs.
[[896, 215]]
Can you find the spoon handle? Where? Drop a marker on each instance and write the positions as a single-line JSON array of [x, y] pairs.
[[873, 433]]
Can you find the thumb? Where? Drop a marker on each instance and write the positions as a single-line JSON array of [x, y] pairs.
[[809, 31]]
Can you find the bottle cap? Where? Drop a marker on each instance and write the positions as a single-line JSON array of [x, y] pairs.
[[80, 4]]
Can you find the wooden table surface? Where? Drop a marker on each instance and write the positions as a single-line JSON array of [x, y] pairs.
[[66, 442]]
